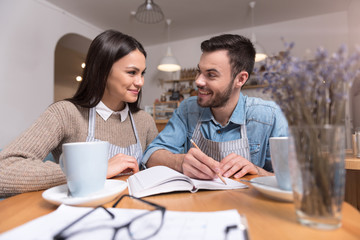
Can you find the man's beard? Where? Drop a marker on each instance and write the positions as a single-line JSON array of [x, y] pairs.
[[220, 100]]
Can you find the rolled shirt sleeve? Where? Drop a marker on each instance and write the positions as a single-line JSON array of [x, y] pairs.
[[263, 119]]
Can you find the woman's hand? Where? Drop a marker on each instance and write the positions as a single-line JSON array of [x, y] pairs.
[[121, 163]]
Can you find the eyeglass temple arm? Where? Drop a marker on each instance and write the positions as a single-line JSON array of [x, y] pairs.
[[140, 199], [59, 236]]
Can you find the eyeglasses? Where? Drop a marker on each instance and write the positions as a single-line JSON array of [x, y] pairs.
[[143, 226]]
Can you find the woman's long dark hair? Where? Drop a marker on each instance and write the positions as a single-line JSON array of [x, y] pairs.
[[104, 51]]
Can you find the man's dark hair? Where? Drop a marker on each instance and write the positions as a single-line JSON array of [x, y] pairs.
[[240, 50]]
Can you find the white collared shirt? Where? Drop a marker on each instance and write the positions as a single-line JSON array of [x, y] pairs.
[[106, 112]]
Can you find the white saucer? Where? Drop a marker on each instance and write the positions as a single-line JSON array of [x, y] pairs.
[[58, 195], [272, 189]]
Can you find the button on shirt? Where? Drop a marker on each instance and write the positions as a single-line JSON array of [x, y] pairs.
[[263, 119], [106, 112]]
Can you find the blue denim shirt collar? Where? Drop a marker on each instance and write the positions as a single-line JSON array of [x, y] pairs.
[[237, 117]]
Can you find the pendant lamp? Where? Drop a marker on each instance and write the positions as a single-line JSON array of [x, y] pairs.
[[260, 52], [169, 62], [149, 12]]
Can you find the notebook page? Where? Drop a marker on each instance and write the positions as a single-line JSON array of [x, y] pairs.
[[218, 184], [155, 176], [161, 179]]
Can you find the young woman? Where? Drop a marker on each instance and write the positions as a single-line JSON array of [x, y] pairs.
[[105, 107]]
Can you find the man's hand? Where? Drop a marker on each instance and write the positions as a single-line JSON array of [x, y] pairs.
[[235, 164], [198, 165], [121, 163]]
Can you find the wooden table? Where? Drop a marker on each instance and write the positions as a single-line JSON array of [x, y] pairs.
[[352, 186], [351, 162], [267, 219]]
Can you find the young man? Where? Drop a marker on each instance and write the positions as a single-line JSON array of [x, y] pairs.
[[232, 130]]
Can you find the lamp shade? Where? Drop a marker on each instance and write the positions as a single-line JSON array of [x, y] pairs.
[[149, 12], [169, 63], [260, 53]]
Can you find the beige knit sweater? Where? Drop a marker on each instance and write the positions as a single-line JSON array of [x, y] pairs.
[[21, 163]]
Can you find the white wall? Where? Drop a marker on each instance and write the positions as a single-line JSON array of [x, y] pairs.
[[30, 30], [329, 31], [354, 39]]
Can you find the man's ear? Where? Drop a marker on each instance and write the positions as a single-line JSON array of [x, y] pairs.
[[241, 79]]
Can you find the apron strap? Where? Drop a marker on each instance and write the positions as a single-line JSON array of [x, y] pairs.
[[133, 150], [92, 117]]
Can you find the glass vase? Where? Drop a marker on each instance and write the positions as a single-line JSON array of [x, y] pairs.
[[317, 166]]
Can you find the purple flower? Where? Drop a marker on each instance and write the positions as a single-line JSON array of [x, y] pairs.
[[311, 92]]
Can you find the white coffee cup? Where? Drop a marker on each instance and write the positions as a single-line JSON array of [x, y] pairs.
[[356, 143], [85, 166], [279, 161]]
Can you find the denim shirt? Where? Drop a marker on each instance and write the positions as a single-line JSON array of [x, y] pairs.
[[263, 119]]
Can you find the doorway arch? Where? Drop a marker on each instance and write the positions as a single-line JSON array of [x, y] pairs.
[[70, 53]]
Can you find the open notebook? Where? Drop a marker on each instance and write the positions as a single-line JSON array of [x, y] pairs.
[[161, 179]]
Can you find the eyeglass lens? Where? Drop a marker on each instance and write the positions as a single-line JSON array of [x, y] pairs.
[[100, 223]]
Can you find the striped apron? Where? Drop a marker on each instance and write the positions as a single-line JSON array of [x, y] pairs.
[[134, 150], [219, 150]]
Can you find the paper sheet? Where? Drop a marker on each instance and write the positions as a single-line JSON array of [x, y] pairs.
[[177, 225]]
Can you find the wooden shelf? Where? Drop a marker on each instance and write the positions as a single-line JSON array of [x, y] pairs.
[[161, 121], [180, 80], [181, 92], [254, 86], [351, 161], [163, 114], [164, 110], [193, 79]]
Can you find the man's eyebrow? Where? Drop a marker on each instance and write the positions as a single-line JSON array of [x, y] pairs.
[[210, 69]]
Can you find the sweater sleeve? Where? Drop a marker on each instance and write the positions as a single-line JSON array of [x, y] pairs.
[[21, 163]]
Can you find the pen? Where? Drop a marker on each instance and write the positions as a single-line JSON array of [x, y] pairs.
[[221, 178]]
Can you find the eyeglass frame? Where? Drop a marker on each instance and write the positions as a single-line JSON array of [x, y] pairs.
[[59, 235]]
